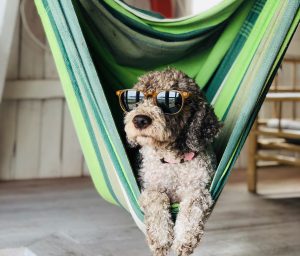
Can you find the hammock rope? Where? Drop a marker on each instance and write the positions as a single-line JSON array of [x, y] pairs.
[[232, 51]]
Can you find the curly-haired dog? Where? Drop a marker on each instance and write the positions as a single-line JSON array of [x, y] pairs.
[[177, 163]]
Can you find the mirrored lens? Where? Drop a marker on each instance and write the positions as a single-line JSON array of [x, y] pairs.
[[131, 98], [169, 101]]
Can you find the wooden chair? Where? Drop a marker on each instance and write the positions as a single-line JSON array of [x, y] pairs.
[[269, 137]]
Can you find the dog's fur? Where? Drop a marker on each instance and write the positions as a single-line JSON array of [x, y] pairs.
[[171, 137]]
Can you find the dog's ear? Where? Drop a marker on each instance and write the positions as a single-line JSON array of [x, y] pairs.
[[203, 126]]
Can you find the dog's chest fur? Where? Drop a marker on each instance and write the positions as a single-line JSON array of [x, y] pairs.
[[177, 180]]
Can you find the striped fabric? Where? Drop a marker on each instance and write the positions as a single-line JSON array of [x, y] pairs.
[[99, 46]]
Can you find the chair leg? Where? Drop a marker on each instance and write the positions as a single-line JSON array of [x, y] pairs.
[[252, 168], [252, 178]]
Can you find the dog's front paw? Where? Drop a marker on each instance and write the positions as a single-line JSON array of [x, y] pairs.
[[158, 222], [187, 245], [160, 251], [160, 239]]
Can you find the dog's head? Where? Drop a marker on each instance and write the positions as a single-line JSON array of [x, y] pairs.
[[191, 129]]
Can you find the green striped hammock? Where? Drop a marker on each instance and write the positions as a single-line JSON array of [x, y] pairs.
[[232, 51]]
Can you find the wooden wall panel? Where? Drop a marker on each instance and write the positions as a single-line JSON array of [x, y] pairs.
[[50, 140], [29, 111], [13, 64], [72, 158], [28, 139], [8, 114], [32, 56], [293, 49], [285, 79], [50, 68], [8, 20], [85, 169], [37, 137]]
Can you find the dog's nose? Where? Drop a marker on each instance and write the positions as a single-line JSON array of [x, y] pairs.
[[141, 121]]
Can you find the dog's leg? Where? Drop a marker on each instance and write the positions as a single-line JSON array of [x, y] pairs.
[[159, 225], [193, 211]]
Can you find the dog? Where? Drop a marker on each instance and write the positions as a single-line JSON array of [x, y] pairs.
[[168, 116]]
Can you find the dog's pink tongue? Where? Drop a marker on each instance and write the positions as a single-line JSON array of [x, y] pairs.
[[189, 156]]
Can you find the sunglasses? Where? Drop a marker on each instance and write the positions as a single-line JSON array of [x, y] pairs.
[[171, 102]]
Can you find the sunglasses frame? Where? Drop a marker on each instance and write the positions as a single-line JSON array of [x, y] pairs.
[[153, 95]]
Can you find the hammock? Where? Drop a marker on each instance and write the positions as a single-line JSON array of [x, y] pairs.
[[232, 50]]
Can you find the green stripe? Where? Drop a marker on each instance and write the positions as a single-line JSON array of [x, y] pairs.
[[221, 183], [258, 87], [240, 66], [235, 49], [200, 63], [103, 132], [78, 75], [94, 99], [76, 89], [73, 104]]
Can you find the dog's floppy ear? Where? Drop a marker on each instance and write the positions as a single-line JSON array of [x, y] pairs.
[[204, 125]]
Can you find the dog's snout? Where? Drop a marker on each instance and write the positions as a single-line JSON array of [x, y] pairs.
[[141, 121]]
